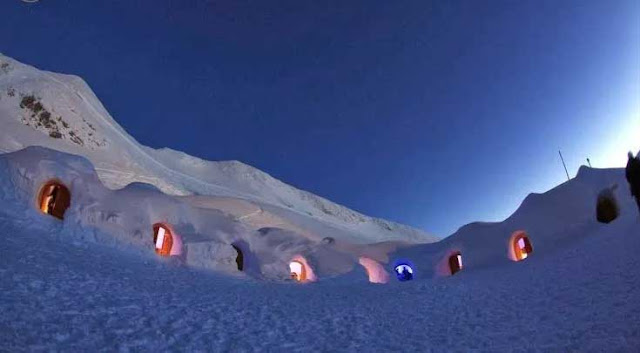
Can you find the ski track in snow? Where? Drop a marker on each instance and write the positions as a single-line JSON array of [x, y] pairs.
[[58, 296]]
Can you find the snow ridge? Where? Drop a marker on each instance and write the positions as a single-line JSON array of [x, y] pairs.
[[39, 108]]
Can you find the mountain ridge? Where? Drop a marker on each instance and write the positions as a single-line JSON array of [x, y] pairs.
[[60, 111]]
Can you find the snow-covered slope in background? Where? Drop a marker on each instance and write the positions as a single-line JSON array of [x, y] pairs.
[[40, 108]]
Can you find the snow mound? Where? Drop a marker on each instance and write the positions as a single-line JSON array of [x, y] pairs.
[[202, 237], [552, 221]]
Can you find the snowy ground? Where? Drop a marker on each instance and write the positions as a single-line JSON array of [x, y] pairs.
[[582, 298]]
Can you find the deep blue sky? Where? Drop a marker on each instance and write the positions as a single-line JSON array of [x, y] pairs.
[[434, 114]]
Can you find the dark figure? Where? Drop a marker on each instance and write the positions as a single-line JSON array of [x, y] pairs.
[[403, 273], [406, 275], [633, 177]]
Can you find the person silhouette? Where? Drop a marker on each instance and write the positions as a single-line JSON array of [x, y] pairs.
[[404, 273], [632, 172]]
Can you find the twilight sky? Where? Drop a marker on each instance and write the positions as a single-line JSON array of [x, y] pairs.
[[430, 113]]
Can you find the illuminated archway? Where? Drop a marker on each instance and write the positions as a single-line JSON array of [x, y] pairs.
[[455, 262], [404, 271], [239, 258], [165, 241], [519, 246], [54, 199], [300, 270], [606, 208], [375, 271]]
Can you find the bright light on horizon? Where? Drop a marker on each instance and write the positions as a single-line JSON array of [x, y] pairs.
[[626, 138]]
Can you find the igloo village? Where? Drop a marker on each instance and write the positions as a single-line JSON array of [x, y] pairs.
[[109, 245]]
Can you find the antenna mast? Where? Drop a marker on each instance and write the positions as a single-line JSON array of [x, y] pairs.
[[564, 165]]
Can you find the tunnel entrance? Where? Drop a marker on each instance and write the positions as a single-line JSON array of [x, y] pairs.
[[239, 258], [520, 247], [404, 272], [455, 263], [298, 271], [375, 271], [606, 208], [163, 239], [55, 199]]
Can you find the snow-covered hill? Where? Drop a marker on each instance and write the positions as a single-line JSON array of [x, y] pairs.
[[40, 108]]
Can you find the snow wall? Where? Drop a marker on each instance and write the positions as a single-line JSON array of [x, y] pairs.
[[124, 219]]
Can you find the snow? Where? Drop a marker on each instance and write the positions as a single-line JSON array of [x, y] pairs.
[[82, 126], [84, 297], [93, 281]]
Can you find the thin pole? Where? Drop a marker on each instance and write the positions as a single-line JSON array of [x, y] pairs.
[[564, 165], [588, 161]]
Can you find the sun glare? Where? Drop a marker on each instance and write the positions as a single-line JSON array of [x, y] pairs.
[[614, 152]]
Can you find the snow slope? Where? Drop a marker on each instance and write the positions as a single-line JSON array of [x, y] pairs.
[[60, 295], [39, 108]]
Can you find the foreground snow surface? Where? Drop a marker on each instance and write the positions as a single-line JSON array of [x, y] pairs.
[[55, 295]]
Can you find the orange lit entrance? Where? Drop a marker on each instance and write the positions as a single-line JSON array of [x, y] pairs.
[[455, 263], [298, 271], [54, 199], [520, 246], [163, 239]]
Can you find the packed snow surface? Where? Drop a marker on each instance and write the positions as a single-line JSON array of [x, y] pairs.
[[82, 297]]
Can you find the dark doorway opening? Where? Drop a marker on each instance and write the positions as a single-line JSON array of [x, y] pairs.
[[455, 263], [55, 199], [606, 209], [239, 258]]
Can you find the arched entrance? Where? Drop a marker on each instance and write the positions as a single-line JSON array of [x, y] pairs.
[[455, 263], [375, 271], [239, 258], [519, 246], [404, 272], [54, 199], [163, 239], [300, 270], [606, 208]]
